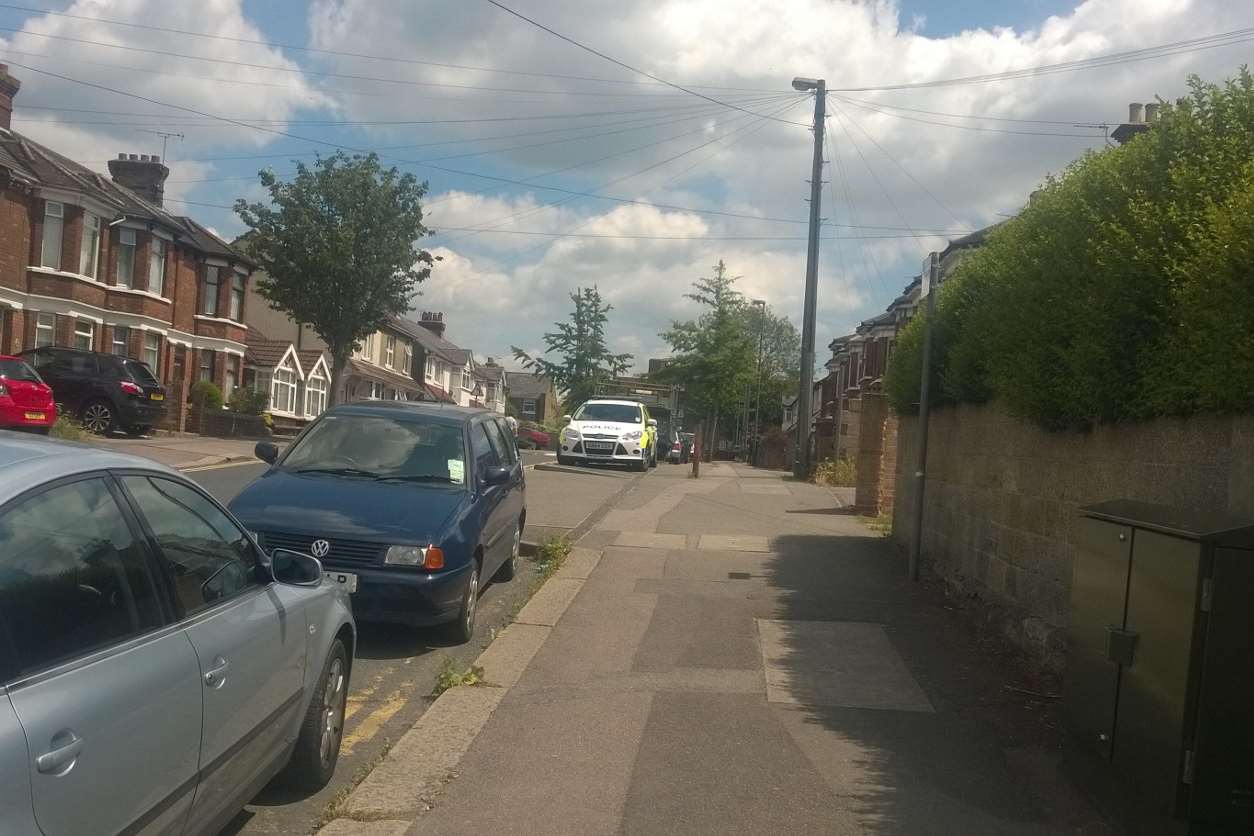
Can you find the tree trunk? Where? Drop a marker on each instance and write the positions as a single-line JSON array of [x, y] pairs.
[[713, 454], [338, 364]]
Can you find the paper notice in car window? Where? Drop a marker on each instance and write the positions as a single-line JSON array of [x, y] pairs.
[[456, 471]]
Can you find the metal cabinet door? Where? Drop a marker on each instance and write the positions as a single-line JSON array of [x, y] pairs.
[[1162, 608], [1099, 583]]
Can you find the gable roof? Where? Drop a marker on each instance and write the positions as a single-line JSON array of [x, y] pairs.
[[432, 342], [526, 384], [311, 358], [267, 353]]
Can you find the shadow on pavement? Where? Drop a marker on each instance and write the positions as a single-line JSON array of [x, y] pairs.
[[985, 759]]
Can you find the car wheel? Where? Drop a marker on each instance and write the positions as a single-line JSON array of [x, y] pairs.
[[463, 629], [98, 417], [642, 465], [510, 567], [563, 460], [318, 746]]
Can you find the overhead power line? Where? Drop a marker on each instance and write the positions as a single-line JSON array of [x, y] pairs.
[[976, 116], [979, 128], [677, 237], [636, 70], [347, 54]]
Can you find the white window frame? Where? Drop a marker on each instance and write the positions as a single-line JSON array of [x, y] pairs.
[[283, 384], [156, 266], [376, 391], [236, 309], [126, 248], [229, 380], [315, 394], [389, 350], [431, 368], [367, 348], [84, 329], [152, 350], [407, 357], [125, 343], [468, 382], [210, 288], [45, 329], [529, 412], [50, 250], [89, 246], [201, 370]]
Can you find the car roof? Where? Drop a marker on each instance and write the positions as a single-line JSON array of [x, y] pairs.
[[402, 409], [614, 401], [28, 461]]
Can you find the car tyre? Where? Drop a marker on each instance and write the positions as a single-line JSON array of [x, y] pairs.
[[97, 417], [462, 629], [564, 460], [642, 465], [510, 567], [318, 745]]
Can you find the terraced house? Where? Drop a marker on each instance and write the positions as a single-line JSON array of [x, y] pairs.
[[96, 262]]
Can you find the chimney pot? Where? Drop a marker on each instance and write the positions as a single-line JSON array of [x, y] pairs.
[[142, 174], [132, 156], [1151, 112], [122, 156], [1136, 113]]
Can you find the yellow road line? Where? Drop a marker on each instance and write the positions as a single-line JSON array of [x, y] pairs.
[[374, 721], [358, 698]]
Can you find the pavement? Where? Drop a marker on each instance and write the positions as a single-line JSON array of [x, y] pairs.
[[736, 654], [183, 451]]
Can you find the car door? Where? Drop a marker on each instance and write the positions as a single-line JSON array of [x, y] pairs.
[[249, 637], [489, 498], [75, 373], [106, 688], [511, 505]]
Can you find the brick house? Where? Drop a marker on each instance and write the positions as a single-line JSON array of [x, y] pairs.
[[533, 397], [97, 263], [451, 370]]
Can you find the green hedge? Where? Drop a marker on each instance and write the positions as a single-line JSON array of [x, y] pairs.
[[1125, 290]]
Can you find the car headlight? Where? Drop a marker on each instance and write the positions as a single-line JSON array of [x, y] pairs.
[[634, 435], [570, 434], [428, 557]]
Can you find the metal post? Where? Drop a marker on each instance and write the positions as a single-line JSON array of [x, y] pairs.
[[920, 468], [802, 470], [757, 397]]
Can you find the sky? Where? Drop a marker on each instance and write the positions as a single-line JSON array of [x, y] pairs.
[[551, 168]]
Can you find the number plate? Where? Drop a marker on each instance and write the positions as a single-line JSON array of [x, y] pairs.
[[34, 416], [346, 579], [600, 448], [156, 396]]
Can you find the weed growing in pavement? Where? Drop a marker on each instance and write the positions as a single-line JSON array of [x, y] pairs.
[[836, 473], [334, 809], [450, 677], [67, 429], [550, 556], [882, 524]]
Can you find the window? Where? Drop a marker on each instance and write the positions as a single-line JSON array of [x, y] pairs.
[[315, 394], [237, 298], [126, 257], [45, 329], [84, 334], [89, 250], [156, 267], [230, 380], [529, 408], [619, 413], [430, 369], [54, 228], [502, 442], [489, 391], [72, 578], [367, 348], [283, 388], [466, 381], [206, 365], [481, 449], [209, 291], [407, 358], [121, 340], [152, 350], [389, 351], [376, 392], [210, 557]]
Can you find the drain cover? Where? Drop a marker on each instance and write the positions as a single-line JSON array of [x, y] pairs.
[[739, 576]]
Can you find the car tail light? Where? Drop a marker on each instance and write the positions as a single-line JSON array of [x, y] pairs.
[[131, 388], [676, 448], [4, 390], [434, 558]]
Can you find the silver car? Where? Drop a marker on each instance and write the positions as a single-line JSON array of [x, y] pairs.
[[156, 668]]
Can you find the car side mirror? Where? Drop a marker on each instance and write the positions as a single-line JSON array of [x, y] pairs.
[[565, 419], [652, 422], [295, 568], [496, 475], [267, 451]]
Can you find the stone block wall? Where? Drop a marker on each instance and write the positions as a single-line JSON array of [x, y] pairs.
[[1002, 497]]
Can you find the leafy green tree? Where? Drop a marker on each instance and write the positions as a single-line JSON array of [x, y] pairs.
[[583, 359], [781, 363], [339, 248]]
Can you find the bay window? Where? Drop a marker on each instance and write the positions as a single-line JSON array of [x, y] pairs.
[[283, 388], [89, 249], [209, 293], [156, 267], [389, 351], [237, 298], [84, 334], [121, 340], [206, 365], [315, 394], [126, 257], [54, 229], [466, 382], [152, 350], [45, 329]]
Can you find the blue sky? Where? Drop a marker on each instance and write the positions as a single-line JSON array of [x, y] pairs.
[[695, 180]]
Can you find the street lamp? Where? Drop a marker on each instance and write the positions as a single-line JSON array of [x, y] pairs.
[[756, 430], [803, 463]]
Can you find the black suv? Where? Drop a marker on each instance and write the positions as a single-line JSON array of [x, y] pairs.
[[106, 392]]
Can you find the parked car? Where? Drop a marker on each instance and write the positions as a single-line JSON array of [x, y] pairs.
[[685, 452], [421, 503], [668, 445], [609, 431], [156, 669], [532, 434], [25, 400], [106, 392]]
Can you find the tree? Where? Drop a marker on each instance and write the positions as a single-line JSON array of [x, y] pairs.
[[339, 249], [584, 361]]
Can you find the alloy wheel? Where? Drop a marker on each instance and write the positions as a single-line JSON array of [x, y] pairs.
[[98, 418], [472, 599], [333, 701]]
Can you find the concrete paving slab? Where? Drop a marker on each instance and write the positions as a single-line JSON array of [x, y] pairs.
[[765, 488], [548, 605], [510, 653], [579, 563], [349, 827], [645, 540], [422, 761], [734, 543], [841, 663], [710, 680]]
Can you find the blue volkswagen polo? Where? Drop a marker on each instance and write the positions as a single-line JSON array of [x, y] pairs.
[[413, 504]]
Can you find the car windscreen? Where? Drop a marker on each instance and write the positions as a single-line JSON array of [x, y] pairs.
[[619, 413], [17, 370], [140, 373], [370, 446]]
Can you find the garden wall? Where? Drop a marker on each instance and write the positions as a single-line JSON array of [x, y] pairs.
[[1002, 496]]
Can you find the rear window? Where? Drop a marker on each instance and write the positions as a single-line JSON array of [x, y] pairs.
[[18, 370], [619, 413], [140, 373]]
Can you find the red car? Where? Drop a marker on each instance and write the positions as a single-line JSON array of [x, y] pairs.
[[25, 400], [541, 439]]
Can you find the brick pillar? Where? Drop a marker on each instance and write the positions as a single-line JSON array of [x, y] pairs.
[[870, 452], [888, 464]]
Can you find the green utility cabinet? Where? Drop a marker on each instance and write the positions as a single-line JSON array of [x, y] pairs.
[[1160, 665]]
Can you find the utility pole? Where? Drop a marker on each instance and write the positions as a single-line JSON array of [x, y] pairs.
[[760, 305], [802, 467], [930, 278]]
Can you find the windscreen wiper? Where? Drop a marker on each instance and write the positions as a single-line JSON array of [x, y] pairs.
[[415, 477], [339, 471]]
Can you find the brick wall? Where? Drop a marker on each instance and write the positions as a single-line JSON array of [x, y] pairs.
[[870, 452], [15, 235], [1002, 497]]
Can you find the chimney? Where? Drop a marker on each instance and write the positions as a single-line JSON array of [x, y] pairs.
[[433, 321], [1136, 122], [8, 89], [1136, 113], [142, 174], [1151, 113]]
